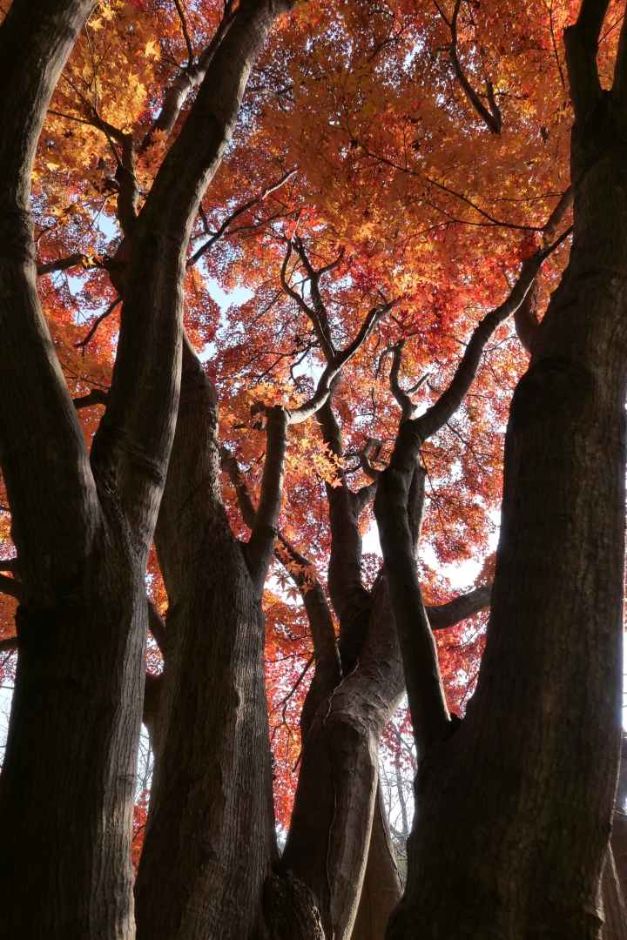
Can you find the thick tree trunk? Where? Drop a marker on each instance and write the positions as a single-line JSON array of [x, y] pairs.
[[513, 810], [210, 838], [381, 890], [336, 797], [67, 791]]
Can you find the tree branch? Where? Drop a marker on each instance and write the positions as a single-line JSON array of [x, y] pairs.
[[460, 608], [61, 264], [228, 221], [412, 433], [491, 115], [301, 571], [333, 369], [85, 341], [97, 396], [427, 702], [135, 435], [52, 482], [187, 81], [581, 41], [261, 543]]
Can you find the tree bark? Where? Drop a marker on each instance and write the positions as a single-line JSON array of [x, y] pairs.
[[381, 890], [514, 808], [210, 841], [330, 832], [66, 789]]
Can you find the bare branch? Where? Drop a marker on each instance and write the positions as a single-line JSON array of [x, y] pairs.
[[94, 327], [97, 396], [413, 433], [61, 264], [333, 369], [491, 115], [228, 221], [581, 41], [460, 608], [183, 20]]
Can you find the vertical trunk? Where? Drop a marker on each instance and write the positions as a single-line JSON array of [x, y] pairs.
[[614, 911], [381, 890], [67, 791], [210, 838], [514, 807], [330, 833]]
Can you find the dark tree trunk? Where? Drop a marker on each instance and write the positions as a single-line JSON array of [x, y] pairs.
[[83, 528], [514, 808], [381, 890], [210, 839], [66, 789], [330, 832]]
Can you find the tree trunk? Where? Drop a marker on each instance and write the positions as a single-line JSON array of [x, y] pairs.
[[514, 808], [381, 890], [614, 911], [336, 797], [210, 837], [66, 790]]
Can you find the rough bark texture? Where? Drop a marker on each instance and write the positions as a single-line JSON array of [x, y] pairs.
[[381, 890], [329, 837], [210, 837], [614, 911], [514, 809], [66, 789]]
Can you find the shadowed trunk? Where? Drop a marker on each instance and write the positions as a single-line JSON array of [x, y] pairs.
[[329, 838], [206, 868], [514, 807], [212, 787], [381, 890]]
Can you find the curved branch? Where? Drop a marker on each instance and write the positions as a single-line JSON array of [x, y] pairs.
[[413, 433], [333, 369], [240, 210]]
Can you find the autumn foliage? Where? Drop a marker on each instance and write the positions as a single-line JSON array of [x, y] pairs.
[[364, 145], [407, 155]]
